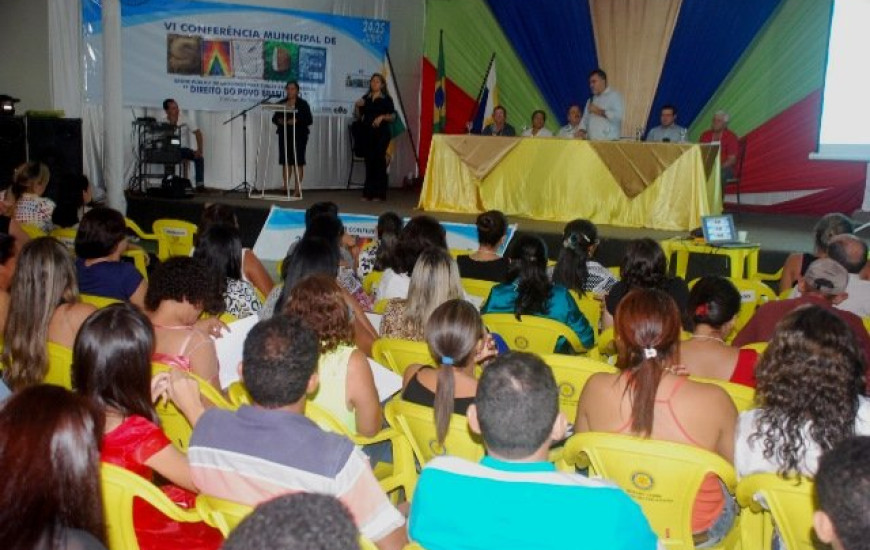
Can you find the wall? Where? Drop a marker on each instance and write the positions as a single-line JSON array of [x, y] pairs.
[[24, 61]]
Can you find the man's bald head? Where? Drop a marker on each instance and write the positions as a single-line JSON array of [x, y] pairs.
[[850, 251]]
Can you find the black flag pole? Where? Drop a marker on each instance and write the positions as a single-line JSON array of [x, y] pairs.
[[480, 91]]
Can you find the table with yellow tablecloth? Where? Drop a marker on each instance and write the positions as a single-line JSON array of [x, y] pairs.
[[630, 184]]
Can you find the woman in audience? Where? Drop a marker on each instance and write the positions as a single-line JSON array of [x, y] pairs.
[[713, 306], [347, 387], [330, 228], [373, 258], [74, 193], [644, 266], [50, 456], [575, 269], [810, 396], [486, 264], [828, 227], [181, 289], [112, 367], [44, 307], [220, 248], [647, 400], [28, 184], [252, 269], [457, 341], [100, 242], [418, 234], [8, 261], [435, 281], [530, 292]]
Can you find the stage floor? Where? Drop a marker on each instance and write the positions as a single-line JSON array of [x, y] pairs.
[[778, 235]]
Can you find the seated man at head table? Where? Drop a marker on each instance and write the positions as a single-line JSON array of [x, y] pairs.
[[602, 117], [727, 140], [573, 128], [668, 131], [499, 126]]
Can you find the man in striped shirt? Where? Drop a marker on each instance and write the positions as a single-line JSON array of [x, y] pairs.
[[514, 498], [271, 448]]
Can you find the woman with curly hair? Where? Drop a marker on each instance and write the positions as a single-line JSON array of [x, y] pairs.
[[809, 394], [530, 292], [575, 269], [644, 266], [179, 291], [347, 387]]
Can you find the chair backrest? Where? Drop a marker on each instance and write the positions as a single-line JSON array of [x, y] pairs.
[[742, 396], [140, 260], [98, 302], [398, 355], [173, 421], [663, 477], [223, 515], [589, 307], [371, 280], [174, 237], [59, 366], [477, 287], [787, 502], [571, 373], [380, 306], [120, 487], [418, 424], [760, 347], [753, 293], [33, 231], [138, 231], [66, 236], [531, 333]]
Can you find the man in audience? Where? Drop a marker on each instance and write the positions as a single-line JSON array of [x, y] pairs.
[[602, 117], [850, 251], [727, 141], [824, 284], [514, 498], [573, 128], [843, 490], [302, 521], [499, 126], [174, 117], [668, 131], [271, 448]]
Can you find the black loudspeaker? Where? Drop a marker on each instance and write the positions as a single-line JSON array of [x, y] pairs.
[[13, 147], [57, 143]]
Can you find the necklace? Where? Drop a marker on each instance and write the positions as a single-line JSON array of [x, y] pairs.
[[705, 337]]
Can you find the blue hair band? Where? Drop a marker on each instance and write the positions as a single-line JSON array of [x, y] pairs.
[[447, 360]]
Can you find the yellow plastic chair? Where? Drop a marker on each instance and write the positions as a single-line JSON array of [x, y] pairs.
[[380, 306], [418, 424], [398, 354], [457, 252], [120, 487], [371, 281], [173, 421], [223, 515], [32, 231], [760, 347], [571, 373], [59, 366], [533, 334], [866, 321], [661, 476], [174, 237], [477, 287], [366, 544], [65, 236], [753, 293], [140, 260], [767, 500], [413, 546], [615, 269], [98, 302], [742, 396], [590, 307]]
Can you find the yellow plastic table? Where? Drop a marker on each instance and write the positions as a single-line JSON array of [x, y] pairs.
[[743, 261]]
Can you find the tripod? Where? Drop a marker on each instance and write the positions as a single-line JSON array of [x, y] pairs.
[[245, 187]]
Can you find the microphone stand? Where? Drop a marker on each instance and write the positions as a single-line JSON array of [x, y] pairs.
[[245, 187]]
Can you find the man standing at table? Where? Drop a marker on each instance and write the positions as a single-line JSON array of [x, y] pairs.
[[573, 128], [669, 131], [499, 126], [602, 117], [727, 141]]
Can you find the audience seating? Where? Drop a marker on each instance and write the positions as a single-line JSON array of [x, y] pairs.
[[221, 514], [120, 487], [380, 306], [478, 288], [371, 281], [768, 500], [533, 334], [742, 396], [140, 260], [174, 238], [760, 347], [98, 302], [59, 366], [65, 236], [571, 373], [398, 354], [590, 307], [32, 231], [661, 476], [418, 424], [753, 293]]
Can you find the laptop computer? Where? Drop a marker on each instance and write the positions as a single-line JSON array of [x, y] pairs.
[[720, 231]]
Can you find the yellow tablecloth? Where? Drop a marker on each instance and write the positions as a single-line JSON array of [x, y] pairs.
[[655, 185]]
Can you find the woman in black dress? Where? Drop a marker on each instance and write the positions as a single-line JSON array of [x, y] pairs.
[[376, 111], [301, 119]]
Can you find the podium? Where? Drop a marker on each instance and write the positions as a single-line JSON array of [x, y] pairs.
[[265, 163]]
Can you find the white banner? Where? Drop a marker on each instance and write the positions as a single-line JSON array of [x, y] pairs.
[[222, 57]]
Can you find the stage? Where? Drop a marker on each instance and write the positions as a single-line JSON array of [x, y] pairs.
[[778, 235]]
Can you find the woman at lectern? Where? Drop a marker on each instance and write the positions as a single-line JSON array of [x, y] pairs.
[[298, 116], [376, 111]]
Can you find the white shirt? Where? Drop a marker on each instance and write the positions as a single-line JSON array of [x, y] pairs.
[[393, 285], [570, 131], [543, 132], [749, 457], [604, 127], [858, 301]]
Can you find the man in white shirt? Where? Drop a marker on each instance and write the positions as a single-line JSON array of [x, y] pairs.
[[669, 131], [573, 128], [173, 116], [602, 117]]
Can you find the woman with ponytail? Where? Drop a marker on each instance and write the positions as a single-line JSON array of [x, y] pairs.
[[575, 269], [457, 342], [530, 292], [486, 264], [646, 399]]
